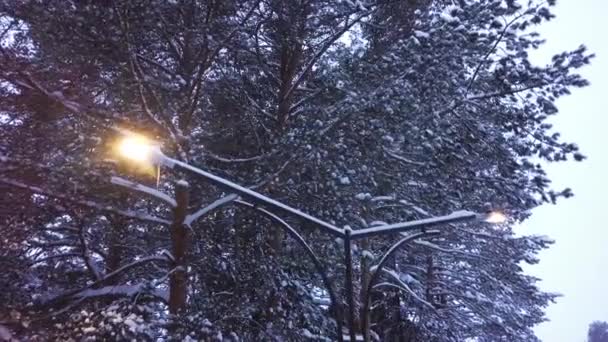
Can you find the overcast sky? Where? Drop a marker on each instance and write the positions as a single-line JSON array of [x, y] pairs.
[[577, 264]]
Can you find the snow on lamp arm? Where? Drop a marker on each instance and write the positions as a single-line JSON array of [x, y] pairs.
[[492, 217], [142, 150]]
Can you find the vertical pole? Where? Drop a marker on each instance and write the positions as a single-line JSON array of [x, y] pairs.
[[178, 280], [365, 277], [365, 315], [348, 260]]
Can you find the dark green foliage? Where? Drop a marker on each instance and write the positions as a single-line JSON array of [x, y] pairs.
[[353, 111]]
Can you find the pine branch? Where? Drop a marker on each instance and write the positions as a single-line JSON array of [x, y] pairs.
[[85, 203]]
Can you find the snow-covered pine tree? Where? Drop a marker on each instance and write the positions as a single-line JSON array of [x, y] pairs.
[[358, 112]]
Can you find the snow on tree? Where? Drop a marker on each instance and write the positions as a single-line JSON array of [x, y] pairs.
[[358, 112], [598, 332]]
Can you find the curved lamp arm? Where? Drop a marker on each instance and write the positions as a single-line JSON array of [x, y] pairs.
[[318, 265], [377, 269]]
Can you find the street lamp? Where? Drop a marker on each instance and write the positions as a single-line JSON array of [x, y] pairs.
[[142, 150], [495, 217]]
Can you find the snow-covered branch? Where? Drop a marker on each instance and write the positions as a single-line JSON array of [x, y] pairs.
[[55, 256], [85, 203], [106, 277], [145, 190], [404, 287], [26, 81], [403, 159], [203, 211], [234, 160], [122, 290], [447, 250]]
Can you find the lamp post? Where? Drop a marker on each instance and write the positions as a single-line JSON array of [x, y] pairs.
[[142, 150]]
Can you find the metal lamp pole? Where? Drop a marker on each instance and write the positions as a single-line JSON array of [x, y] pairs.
[[140, 150]]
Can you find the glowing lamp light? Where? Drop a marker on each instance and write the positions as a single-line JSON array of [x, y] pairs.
[[495, 217], [137, 148]]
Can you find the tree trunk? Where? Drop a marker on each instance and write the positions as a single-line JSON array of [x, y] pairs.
[[178, 281], [115, 244]]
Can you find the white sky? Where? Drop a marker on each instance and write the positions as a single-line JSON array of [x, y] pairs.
[[577, 264]]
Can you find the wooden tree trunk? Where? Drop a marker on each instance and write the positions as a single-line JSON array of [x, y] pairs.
[[178, 281], [115, 245]]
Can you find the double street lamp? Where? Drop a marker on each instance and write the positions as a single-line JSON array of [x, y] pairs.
[[140, 149]]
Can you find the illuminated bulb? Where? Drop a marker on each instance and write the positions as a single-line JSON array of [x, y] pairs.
[[136, 148], [495, 217]]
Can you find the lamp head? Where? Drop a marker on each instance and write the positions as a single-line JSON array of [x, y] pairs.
[[494, 217], [139, 149]]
